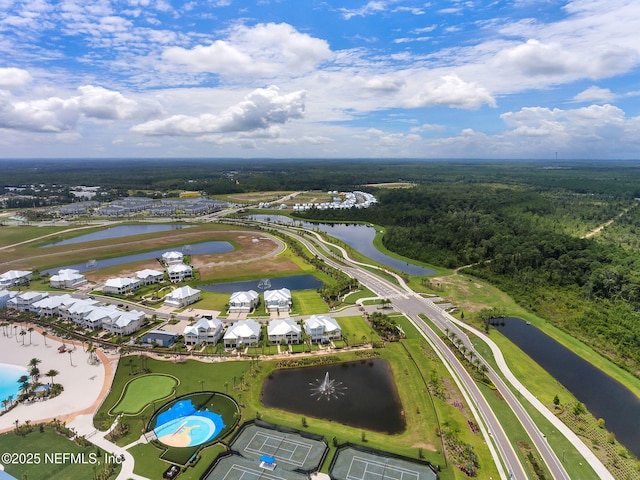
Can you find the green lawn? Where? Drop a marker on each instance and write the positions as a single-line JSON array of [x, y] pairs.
[[48, 456], [308, 302], [141, 391], [356, 331]]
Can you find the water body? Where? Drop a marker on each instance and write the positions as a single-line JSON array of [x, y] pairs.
[[9, 375], [193, 249], [117, 232], [603, 396], [365, 397], [357, 236], [294, 282]]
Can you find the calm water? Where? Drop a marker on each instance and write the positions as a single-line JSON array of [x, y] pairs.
[[9, 375], [357, 236], [194, 249], [366, 395], [604, 397], [117, 232], [294, 282]]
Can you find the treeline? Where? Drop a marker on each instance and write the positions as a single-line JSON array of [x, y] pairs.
[[516, 238]]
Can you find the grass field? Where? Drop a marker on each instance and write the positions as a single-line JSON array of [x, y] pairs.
[[141, 391], [52, 464], [356, 331]]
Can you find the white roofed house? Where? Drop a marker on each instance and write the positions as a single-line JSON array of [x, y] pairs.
[[243, 333], [205, 330], [77, 310], [13, 278], [284, 330], [121, 285], [172, 258], [50, 306], [124, 323], [243, 302], [322, 328], [24, 301], [67, 278], [177, 273], [277, 300], [181, 297], [149, 276]]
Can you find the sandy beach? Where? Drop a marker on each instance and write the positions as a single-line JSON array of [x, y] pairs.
[[85, 385]]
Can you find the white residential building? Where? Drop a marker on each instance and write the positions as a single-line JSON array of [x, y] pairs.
[[50, 306], [5, 296], [77, 310], [322, 328], [277, 300], [124, 323], [121, 285], [243, 302], [241, 334], [67, 278], [181, 297], [172, 258], [177, 273], [284, 330], [205, 330], [149, 276], [24, 301], [13, 278]]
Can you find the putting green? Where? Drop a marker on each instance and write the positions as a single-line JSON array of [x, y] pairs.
[[140, 392]]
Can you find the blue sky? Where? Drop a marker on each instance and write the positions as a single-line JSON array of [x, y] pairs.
[[297, 78]]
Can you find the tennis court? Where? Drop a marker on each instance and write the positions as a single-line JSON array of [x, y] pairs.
[[289, 449], [354, 464], [235, 467]]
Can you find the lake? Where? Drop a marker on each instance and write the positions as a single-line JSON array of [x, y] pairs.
[[117, 232], [358, 236], [294, 282], [364, 394], [603, 396]]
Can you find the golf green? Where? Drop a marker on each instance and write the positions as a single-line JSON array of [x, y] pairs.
[[141, 391]]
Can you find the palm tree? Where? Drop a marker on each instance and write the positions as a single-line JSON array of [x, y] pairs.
[[70, 360], [22, 334], [52, 373], [5, 402], [34, 373], [30, 330], [10, 398], [44, 337], [34, 362]]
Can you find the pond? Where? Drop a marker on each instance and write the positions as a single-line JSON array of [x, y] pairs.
[[294, 282], [357, 236], [603, 396], [117, 232], [360, 394], [193, 249]]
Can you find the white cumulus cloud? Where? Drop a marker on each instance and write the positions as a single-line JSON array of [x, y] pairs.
[[451, 91], [261, 109], [13, 78]]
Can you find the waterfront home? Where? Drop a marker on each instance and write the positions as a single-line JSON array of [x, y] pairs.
[[322, 328], [24, 301], [284, 330], [277, 300], [172, 258], [242, 334], [177, 273], [67, 278], [243, 302], [149, 276], [205, 330], [121, 285], [13, 278], [181, 297]]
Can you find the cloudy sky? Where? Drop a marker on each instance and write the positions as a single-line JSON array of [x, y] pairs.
[[320, 78]]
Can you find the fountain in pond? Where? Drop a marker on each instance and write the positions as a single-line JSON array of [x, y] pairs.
[[327, 389], [264, 284]]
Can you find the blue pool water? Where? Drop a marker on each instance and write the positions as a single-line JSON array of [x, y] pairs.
[[185, 426], [9, 375]]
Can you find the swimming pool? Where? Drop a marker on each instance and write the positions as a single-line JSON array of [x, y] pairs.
[[9, 375], [183, 425]]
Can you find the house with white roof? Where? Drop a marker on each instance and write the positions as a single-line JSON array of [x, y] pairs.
[[243, 333], [5, 295], [284, 330], [177, 273], [67, 278], [243, 302], [24, 301], [277, 300], [77, 310], [14, 278], [322, 328], [172, 258], [181, 297], [205, 330], [149, 276], [124, 323], [50, 306], [121, 285]]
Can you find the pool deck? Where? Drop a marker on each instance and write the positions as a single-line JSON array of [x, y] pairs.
[[85, 384]]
